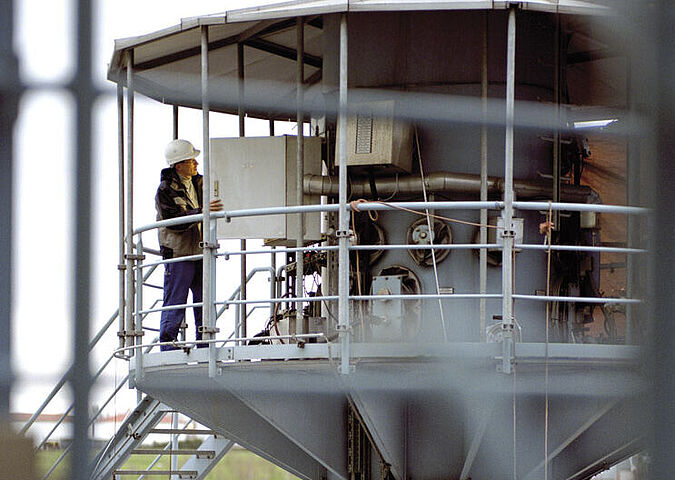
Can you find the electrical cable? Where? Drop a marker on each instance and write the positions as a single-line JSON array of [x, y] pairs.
[[358, 280], [549, 226], [354, 206], [431, 234]]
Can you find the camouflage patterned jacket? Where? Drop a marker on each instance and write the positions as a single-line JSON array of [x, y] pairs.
[[171, 201]]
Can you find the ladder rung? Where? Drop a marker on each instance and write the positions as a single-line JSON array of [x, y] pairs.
[[180, 473], [186, 451], [182, 431]]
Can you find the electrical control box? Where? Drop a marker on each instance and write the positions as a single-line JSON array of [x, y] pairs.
[[257, 172], [378, 141]]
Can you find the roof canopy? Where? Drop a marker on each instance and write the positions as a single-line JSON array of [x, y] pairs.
[[167, 63]]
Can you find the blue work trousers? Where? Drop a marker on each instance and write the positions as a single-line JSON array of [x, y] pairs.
[[180, 277]]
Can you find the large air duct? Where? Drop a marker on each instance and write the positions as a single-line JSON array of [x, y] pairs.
[[444, 183]]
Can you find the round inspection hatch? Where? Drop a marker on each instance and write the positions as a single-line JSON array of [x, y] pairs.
[[420, 234]]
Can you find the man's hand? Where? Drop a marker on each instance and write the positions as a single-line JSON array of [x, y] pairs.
[[216, 205]]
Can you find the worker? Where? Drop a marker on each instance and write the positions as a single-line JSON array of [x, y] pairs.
[[180, 194]]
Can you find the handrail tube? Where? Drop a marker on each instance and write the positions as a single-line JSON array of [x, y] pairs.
[[281, 300], [581, 248], [171, 307], [367, 206], [65, 415], [170, 260], [318, 248], [423, 296], [189, 343], [67, 449], [117, 389], [199, 304], [452, 246], [581, 207], [56, 425], [65, 376], [552, 298]]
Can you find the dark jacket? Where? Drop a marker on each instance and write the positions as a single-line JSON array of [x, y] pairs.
[[171, 201]]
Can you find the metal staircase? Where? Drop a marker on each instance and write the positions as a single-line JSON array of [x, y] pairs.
[[134, 430], [140, 423]]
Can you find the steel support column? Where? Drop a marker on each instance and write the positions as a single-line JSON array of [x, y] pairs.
[[121, 266], [483, 179], [343, 232], [299, 172], [208, 228], [129, 233], [507, 213], [242, 133]]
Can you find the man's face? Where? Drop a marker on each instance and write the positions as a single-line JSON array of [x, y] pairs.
[[187, 168]]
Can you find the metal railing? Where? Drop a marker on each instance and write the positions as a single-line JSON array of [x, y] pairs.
[[376, 206]]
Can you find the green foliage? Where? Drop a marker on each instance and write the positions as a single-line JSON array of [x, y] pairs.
[[238, 463]]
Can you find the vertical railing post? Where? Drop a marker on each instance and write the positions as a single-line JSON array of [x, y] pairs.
[[121, 266], [138, 320], [507, 214], [129, 327], [242, 133], [483, 180], [343, 232], [209, 241], [183, 325], [299, 171]]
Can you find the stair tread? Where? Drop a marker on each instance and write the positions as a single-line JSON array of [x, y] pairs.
[[180, 451], [183, 431], [156, 472]]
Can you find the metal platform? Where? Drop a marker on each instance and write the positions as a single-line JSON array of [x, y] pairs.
[[431, 410]]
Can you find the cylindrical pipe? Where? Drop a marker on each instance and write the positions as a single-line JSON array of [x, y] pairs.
[[183, 325], [138, 320], [556, 133], [343, 242], [120, 214], [483, 180], [507, 213], [175, 121], [273, 256], [209, 259], [130, 328], [442, 182], [299, 171], [242, 133], [81, 382]]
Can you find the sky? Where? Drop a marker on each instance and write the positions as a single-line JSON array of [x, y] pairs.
[[43, 176]]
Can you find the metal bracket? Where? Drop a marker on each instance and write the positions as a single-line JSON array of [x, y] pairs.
[[122, 266], [344, 233], [203, 329], [343, 328], [210, 246], [134, 256]]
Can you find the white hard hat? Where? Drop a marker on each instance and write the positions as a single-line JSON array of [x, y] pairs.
[[179, 150]]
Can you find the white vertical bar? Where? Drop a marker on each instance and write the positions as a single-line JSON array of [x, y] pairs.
[[130, 328], [299, 170], [507, 213], [483, 179], [343, 252], [120, 179], [208, 279]]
